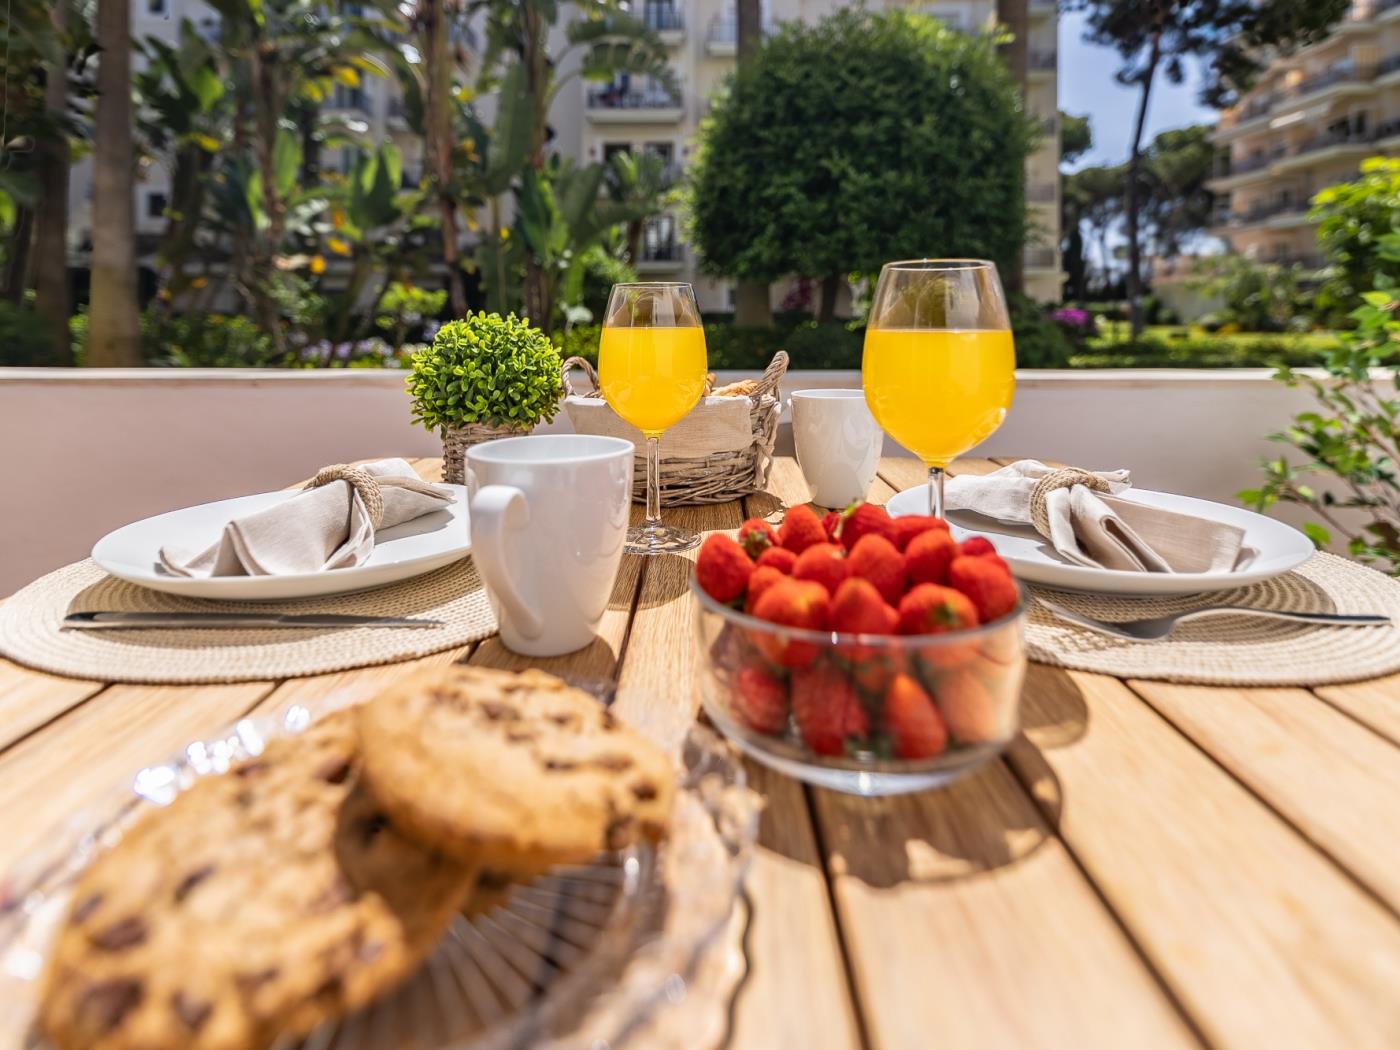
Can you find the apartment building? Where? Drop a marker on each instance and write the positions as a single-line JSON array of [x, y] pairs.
[[635, 114], [1308, 123], [592, 121]]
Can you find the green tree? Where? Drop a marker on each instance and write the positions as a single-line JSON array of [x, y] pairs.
[[1093, 205], [1076, 137], [635, 184], [1354, 218], [863, 138], [1258, 297], [1176, 205], [753, 303], [1233, 37]]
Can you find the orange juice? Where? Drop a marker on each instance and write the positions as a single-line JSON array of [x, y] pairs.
[[652, 376], [938, 392]]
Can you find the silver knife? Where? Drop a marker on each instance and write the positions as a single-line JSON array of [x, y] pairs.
[[107, 621]]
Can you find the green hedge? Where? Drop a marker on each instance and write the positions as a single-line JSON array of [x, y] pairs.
[[1200, 352]]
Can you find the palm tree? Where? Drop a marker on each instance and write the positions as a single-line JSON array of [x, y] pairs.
[[432, 18], [52, 298], [636, 189], [518, 38], [115, 328], [1014, 15], [752, 306]]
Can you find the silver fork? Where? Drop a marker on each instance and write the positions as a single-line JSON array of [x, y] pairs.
[[1154, 629]]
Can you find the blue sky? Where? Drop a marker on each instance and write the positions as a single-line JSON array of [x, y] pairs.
[[1087, 86]]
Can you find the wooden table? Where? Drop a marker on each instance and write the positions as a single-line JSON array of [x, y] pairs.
[[1151, 865]]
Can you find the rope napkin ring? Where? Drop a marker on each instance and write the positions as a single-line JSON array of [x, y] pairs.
[[1059, 479], [361, 480]]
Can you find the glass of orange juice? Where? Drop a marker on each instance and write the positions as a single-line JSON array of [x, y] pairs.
[[651, 366], [939, 367]]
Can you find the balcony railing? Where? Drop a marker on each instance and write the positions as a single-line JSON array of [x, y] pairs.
[[1389, 64], [659, 244], [1248, 164], [1330, 139], [612, 97], [662, 17], [1340, 74]]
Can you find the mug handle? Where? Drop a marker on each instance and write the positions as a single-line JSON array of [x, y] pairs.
[[495, 511]]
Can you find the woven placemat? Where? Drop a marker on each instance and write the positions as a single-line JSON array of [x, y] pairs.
[[1236, 650], [31, 630]]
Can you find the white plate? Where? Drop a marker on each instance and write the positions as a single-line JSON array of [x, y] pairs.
[[1281, 547], [411, 549]]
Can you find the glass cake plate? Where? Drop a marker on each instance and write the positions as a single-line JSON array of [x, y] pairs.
[[581, 957]]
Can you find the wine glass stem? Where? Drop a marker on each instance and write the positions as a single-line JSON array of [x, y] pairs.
[[653, 482], [935, 491]]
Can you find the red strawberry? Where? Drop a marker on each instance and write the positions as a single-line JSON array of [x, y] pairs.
[[858, 608], [824, 563], [975, 547], [913, 723], [756, 536], [831, 522], [928, 557], [722, 568], [969, 711], [800, 529], [764, 576], [827, 710], [875, 558], [792, 603], [872, 667], [987, 583], [760, 700], [779, 558], [931, 609], [903, 530], [861, 519]]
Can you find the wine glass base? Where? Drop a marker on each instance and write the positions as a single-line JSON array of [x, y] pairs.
[[660, 539]]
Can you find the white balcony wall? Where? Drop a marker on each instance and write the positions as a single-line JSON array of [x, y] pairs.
[[92, 449]]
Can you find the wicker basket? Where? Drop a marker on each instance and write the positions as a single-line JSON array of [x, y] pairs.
[[456, 441], [722, 450]]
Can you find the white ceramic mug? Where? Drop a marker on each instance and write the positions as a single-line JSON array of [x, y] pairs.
[[838, 444], [549, 518]]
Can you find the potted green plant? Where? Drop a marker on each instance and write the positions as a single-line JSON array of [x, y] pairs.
[[483, 377]]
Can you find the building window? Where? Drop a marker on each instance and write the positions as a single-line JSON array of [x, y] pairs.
[[155, 7], [155, 205], [612, 149]]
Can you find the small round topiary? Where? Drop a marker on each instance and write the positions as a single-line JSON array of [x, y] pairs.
[[484, 376]]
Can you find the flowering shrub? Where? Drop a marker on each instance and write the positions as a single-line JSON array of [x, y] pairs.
[[1079, 325]]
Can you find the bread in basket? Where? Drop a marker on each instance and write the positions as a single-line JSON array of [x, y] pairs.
[[721, 451]]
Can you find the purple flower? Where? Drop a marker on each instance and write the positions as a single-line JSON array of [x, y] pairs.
[[1072, 317]]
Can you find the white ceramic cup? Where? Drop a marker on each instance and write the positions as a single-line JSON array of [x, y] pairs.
[[549, 518], [838, 444]]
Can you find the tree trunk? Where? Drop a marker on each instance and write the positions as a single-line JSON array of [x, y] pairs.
[[752, 308], [752, 305], [432, 15], [536, 58], [268, 106], [831, 288], [1130, 199], [1014, 15], [17, 266], [114, 326], [53, 297]]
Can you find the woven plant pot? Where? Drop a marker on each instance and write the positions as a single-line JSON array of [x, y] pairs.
[[721, 451], [456, 441]]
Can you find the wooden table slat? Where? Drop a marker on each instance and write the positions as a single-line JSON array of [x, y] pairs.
[[30, 699], [1329, 776], [1262, 939], [1375, 703]]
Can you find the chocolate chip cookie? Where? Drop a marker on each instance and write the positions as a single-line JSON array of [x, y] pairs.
[[259, 903], [517, 772]]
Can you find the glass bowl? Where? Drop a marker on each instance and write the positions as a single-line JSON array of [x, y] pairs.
[[751, 671]]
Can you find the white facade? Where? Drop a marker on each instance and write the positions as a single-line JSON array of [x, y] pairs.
[[591, 121], [1308, 123]]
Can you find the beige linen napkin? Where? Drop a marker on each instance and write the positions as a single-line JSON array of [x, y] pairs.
[[327, 527], [1099, 528]]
